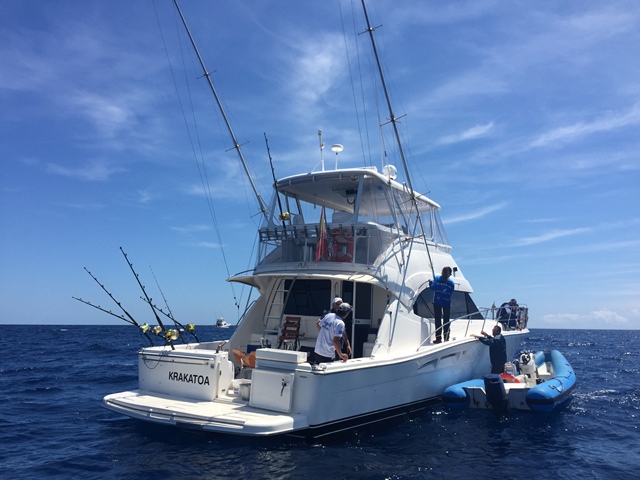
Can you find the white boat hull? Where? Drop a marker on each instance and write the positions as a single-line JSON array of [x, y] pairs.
[[194, 388]]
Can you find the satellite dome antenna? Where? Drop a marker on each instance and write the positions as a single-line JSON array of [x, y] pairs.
[[337, 148]]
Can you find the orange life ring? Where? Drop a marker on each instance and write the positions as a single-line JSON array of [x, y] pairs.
[[342, 244], [508, 378]]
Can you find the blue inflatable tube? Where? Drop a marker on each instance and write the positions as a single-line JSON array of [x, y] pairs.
[[455, 396], [546, 396]]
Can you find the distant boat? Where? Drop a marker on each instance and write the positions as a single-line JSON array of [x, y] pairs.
[[221, 323], [539, 382], [355, 233]]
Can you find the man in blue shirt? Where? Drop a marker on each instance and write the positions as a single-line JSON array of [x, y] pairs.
[[443, 287]]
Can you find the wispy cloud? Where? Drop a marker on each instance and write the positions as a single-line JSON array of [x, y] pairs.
[[85, 206], [557, 318], [441, 12], [476, 83], [192, 229], [212, 245], [145, 196], [608, 122], [476, 214], [472, 133], [597, 247], [314, 69], [552, 235], [96, 171], [609, 317], [542, 220], [109, 114], [597, 319], [218, 190]]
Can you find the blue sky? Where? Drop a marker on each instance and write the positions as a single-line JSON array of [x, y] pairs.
[[522, 121]]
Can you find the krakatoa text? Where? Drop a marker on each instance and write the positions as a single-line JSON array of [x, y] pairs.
[[188, 378]]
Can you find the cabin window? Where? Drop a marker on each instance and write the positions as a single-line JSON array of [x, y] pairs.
[[308, 297], [461, 305], [362, 304]]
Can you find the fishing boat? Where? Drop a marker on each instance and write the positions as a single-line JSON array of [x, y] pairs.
[[221, 323], [356, 233], [537, 382]]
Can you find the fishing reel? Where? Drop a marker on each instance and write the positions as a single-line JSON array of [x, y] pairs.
[[171, 335]]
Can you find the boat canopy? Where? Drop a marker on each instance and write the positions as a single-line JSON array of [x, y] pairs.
[[351, 197]]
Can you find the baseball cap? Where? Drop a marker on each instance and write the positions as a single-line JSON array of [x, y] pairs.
[[344, 307]]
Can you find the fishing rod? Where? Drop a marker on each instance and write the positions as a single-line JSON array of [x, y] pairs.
[[163, 297], [236, 145], [190, 326], [121, 317], [283, 215], [169, 335], [143, 328]]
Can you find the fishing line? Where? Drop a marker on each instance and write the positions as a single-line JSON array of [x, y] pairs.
[[202, 171], [353, 91]]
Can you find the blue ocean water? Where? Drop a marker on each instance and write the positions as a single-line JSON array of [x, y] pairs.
[[52, 424]]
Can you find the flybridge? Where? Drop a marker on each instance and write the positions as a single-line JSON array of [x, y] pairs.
[[359, 212]]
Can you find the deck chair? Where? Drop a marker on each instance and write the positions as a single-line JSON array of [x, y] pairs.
[[290, 333]]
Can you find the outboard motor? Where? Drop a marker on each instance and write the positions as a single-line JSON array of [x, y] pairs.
[[496, 393], [528, 368]]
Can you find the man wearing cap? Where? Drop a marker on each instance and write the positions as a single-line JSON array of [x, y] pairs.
[[331, 330], [336, 303]]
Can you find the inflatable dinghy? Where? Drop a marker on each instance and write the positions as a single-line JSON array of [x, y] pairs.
[[538, 382]]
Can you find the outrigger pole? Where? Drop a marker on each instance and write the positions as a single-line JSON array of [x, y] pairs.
[[394, 121], [236, 145]]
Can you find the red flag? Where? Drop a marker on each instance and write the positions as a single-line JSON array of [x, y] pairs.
[[321, 246]]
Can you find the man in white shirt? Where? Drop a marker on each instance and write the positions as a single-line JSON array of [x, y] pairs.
[[331, 330]]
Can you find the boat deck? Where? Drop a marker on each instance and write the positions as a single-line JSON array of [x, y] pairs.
[[229, 414]]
